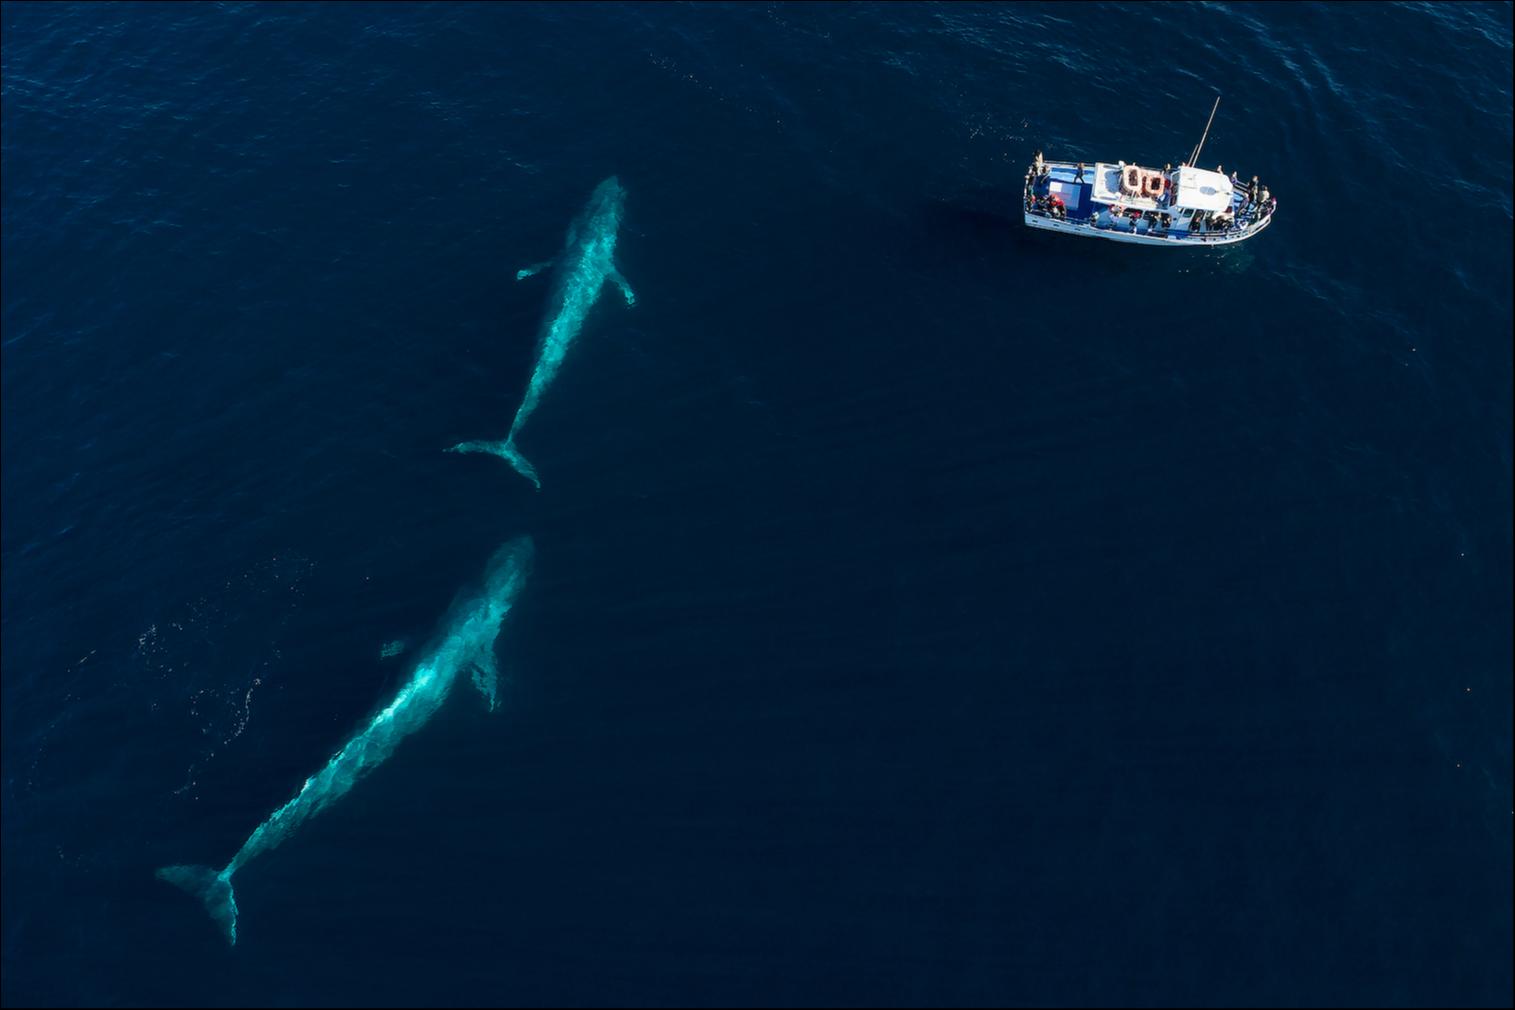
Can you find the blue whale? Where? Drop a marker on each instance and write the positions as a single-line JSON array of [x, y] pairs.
[[465, 643], [586, 263]]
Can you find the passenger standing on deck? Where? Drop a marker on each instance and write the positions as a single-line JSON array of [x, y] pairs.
[[1079, 175], [1041, 166]]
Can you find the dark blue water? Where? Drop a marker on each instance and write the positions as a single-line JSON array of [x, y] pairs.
[[924, 611]]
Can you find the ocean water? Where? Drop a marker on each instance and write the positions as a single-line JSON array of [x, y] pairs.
[[924, 611]]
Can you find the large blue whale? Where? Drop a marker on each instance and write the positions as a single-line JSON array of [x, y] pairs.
[[586, 263], [466, 642]]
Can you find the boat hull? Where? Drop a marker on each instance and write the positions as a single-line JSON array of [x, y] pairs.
[[1187, 240]]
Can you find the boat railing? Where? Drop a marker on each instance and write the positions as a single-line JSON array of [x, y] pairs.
[[1183, 234]]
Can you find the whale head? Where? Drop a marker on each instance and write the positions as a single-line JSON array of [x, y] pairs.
[[609, 199], [600, 218], [507, 570]]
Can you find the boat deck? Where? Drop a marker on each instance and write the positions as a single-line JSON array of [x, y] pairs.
[[1078, 196]]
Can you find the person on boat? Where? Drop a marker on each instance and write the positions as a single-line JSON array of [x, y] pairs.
[[1262, 201], [1041, 166], [1055, 202], [1079, 175], [1252, 191]]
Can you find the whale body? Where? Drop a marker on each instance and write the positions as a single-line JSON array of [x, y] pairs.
[[586, 263], [466, 642]]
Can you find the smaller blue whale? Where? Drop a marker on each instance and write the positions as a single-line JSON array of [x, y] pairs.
[[586, 263]]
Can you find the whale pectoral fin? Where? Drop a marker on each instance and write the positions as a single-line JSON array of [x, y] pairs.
[[535, 268], [486, 677], [620, 282]]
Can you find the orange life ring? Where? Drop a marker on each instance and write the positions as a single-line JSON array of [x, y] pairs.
[[1131, 180]]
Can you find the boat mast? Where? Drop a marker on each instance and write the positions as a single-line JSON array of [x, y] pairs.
[[1194, 158]]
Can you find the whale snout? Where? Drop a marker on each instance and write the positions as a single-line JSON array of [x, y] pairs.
[[609, 195]]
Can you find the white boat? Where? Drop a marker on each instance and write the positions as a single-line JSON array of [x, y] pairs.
[[1184, 206]]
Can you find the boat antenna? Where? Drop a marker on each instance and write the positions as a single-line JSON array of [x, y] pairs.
[[1194, 158]]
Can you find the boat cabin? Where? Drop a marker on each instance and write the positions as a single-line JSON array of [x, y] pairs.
[[1195, 189]]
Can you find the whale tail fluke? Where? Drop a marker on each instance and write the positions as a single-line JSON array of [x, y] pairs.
[[213, 888], [507, 451]]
